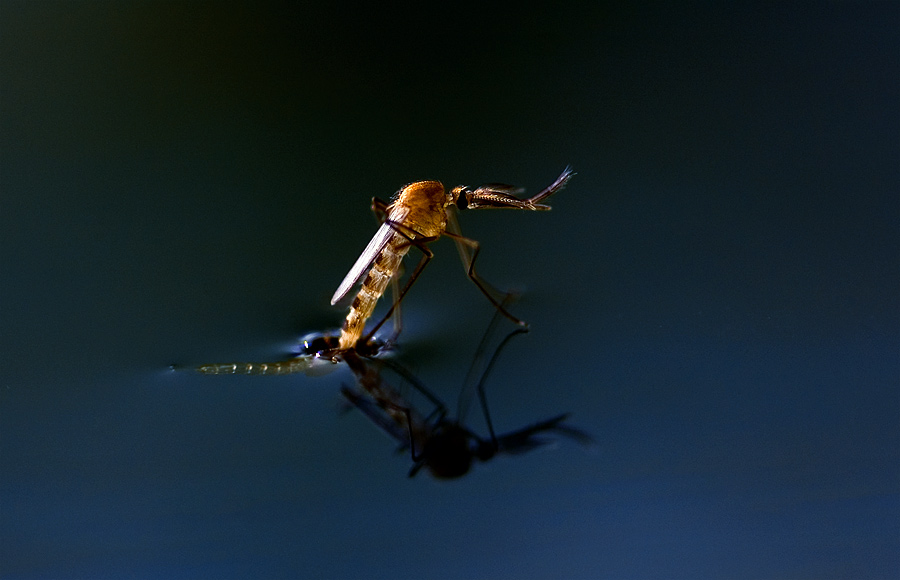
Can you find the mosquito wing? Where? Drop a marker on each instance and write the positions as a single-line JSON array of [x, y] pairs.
[[376, 244], [500, 188]]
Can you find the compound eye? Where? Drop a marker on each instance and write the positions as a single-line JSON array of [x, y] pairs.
[[461, 195]]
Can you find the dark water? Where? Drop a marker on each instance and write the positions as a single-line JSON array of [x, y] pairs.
[[714, 296]]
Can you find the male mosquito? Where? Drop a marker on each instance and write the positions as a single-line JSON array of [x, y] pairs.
[[444, 446], [417, 215]]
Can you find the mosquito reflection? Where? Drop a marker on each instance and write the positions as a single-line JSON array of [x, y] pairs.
[[437, 442], [417, 215]]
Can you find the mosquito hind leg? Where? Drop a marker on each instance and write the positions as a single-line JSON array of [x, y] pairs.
[[468, 253], [482, 396]]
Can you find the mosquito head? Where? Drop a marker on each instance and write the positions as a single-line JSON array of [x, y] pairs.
[[447, 453], [491, 197], [458, 196], [499, 196]]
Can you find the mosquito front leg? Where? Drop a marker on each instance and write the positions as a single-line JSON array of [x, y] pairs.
[[440, 409], [379, 208]]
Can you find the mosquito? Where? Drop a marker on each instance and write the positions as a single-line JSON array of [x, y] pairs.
[[442, 445], [419, 214]]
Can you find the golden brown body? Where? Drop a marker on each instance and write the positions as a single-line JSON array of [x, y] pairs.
[[418, 214]]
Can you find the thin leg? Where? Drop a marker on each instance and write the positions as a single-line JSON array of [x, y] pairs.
[[409, 431], [426, 257], [468, 253], [415, 469], [379, 208], [386, 424], [440, 409], [480, 388], [478, 367], [368, 375]]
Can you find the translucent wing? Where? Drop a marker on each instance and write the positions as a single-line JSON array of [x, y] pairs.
[[376, 244], [501, 188]]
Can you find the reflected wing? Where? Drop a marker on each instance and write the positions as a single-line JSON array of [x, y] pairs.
[[376, 244], [525, 439], [376, 414]]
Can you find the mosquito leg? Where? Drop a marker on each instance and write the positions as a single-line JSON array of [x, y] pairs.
[[412, 438], [440, 409], [482, 397], [398, 317], [379, 208], [468, 253], [371, 381], [407, 412], [415, 469], [426, 257], [477, 366]]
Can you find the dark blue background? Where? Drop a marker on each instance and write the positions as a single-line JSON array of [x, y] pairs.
[[715, 296]]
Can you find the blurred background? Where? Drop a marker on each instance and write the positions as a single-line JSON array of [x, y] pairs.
[[714, 296]]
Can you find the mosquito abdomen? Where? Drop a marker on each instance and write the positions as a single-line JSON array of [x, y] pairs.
[[375, 283]]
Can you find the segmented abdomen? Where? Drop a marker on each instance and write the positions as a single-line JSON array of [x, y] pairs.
[[410, 427], [383, 269]]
